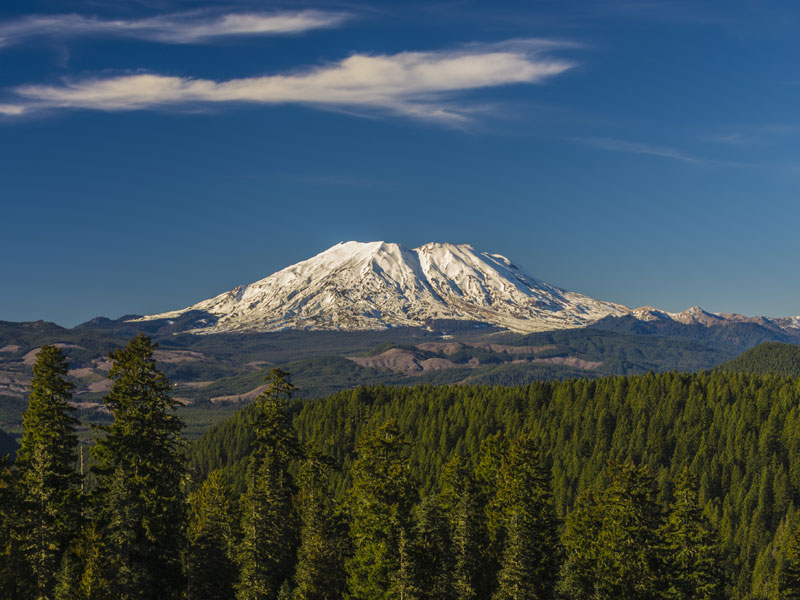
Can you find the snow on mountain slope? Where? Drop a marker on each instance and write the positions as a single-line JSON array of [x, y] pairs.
[[789, 323], [378, 285]]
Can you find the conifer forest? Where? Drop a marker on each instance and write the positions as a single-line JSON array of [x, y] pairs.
[[669, 486]]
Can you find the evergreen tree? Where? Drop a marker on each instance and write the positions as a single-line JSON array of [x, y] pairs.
[[213, 533], [517, 577], [11, 563], [460, 500], [46, 465], [138, 501], [789, 585], [578, 572], [693, 561], [90, 552], [628, 562], [531, 554], [433, 556], [320, 558], [380, 503], [268, 549], [612, 540]]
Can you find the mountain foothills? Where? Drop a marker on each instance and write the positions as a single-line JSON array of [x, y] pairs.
[[371, 313]]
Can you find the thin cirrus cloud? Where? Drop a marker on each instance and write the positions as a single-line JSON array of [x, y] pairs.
[[181, 28], [416, 84], [616, 145]]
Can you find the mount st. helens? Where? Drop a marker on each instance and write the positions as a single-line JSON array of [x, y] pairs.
[[378, 285]]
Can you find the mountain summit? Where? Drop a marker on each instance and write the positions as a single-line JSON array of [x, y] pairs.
[[378, 285]]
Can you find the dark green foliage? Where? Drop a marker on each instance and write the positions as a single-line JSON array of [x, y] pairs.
[[738, 434], [433, 555], [495, 465], [235, 363], [612, 542], [12, 565], [691, 548], [213, 534], [380, 503], [789, 586], [268, 549], [138, 500], [462, 504], [524, 504], [518, 576], [770, 358], [46, 465], [320, 559]]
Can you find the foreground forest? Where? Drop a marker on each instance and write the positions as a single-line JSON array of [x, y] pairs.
[[667, 486]]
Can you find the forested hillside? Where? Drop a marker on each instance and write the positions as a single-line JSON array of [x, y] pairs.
[[738, 435], [770, 358], [652, 487], [214, 375]]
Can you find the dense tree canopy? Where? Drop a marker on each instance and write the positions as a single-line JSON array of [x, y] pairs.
[[668, 487], [138, 500], [738, 435]]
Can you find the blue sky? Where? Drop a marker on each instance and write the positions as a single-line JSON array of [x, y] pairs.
[[153, 154]]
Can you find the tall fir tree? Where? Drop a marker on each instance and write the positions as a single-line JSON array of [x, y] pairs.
[[612, 540], [380, 502], [462, 505], [433, 556], [12, 564], [516, 579], [320, 557], [138, 501], [46, 465], [532, 554], [578, 572], [693, 569], [789, 582], [269, 523], [213, 535]]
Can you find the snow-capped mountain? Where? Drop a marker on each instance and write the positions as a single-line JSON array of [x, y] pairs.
[[378, 285]]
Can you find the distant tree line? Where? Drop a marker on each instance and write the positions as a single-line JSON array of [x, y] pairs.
[[383, 493], [769, 358]]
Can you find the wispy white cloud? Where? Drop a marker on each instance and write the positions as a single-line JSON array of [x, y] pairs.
[[417, 84], [11, 109], [181, 28], [729, 139], [637, 148], [756, 135]]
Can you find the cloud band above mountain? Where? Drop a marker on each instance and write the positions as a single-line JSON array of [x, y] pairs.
[[181, 28], [418, 84]]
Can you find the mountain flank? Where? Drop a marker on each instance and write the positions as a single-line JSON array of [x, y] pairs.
[[770, 358], [357, 286]]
